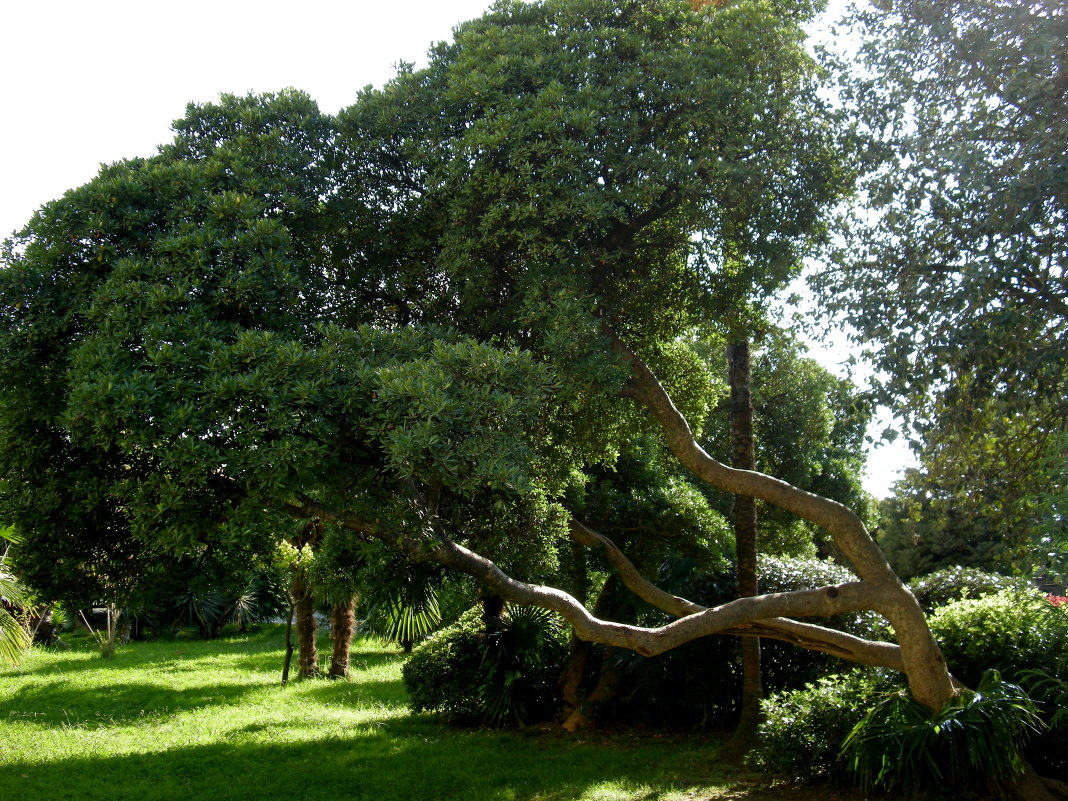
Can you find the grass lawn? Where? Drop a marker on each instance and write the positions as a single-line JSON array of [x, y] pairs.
[[187, 719]]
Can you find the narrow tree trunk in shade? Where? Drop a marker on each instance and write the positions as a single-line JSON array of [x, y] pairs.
[[744, 518], [492, 611], [304, 608], [342, 623], [288, 660], [578, 658], [304, 603]]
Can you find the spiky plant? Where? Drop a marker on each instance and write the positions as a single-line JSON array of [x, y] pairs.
[[14, 638], [899, 746]]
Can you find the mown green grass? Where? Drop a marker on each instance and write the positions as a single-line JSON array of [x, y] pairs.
[[186, 719]]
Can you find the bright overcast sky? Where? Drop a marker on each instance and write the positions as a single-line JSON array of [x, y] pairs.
[[87, 83]]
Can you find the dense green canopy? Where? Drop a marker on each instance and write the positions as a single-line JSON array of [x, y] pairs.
[[401, 309]]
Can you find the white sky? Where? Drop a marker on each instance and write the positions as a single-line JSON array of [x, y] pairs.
[[86, 83]]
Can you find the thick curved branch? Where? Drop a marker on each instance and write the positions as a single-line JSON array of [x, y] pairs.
[[803, 635], [928, 677], [830, 641], [648, 642], [631, 576]]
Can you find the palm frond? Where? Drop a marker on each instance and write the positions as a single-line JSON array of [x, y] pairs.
[[14, 639]]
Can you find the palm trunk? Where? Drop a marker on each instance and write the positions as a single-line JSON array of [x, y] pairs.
[[744, 518], [307, 656], [342, 624], [304, 602]]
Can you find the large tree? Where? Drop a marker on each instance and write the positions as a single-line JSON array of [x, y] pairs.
[[415, 322], [952, 269]]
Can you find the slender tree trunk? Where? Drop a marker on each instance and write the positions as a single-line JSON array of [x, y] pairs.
[[289, 645], [744, 518], [307, 655], [579, 712], [578, 657], [304, 602], [342, 623], [492, 611]]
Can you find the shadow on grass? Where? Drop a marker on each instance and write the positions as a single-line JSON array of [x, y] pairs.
[[356, 693], [259, 649], [392, 762], [79, 655], [58, 703]]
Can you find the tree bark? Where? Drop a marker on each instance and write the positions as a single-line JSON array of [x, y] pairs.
[[570, 681], [492, 611], [304, 608], [917, 654], [744, 519], [342, 625], [304, 603], [929, 680], [287, 660]]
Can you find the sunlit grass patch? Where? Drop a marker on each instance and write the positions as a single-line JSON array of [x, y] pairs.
[[184, 719]]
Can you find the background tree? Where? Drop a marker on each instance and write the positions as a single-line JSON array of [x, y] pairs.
[[954, 274], [809, 430]]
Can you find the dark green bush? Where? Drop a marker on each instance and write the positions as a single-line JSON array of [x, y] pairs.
[[958, 583], [803, 730], [507, 675], [443, 673], [1049, 687]]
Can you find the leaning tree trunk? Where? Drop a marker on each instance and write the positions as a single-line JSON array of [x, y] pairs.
[[342, 624], [744, 518]]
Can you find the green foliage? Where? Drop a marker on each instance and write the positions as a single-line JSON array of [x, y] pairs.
[[400, 598], [1009, 632], [899, 746], [802, 731], [957, 583], [1048, 686], [501, 676], [14, 638], [442, 675], [809, 429], [651, 507], [521, 661], [953, 274], [1024, 637], [209, 610], [404, 314], [988, 497]]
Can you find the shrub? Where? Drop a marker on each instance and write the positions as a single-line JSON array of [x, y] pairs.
[[507, 675], [442, 675], [803, 730], [958, 583], [1009, 632], [1024, 637], [1049, 688]]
